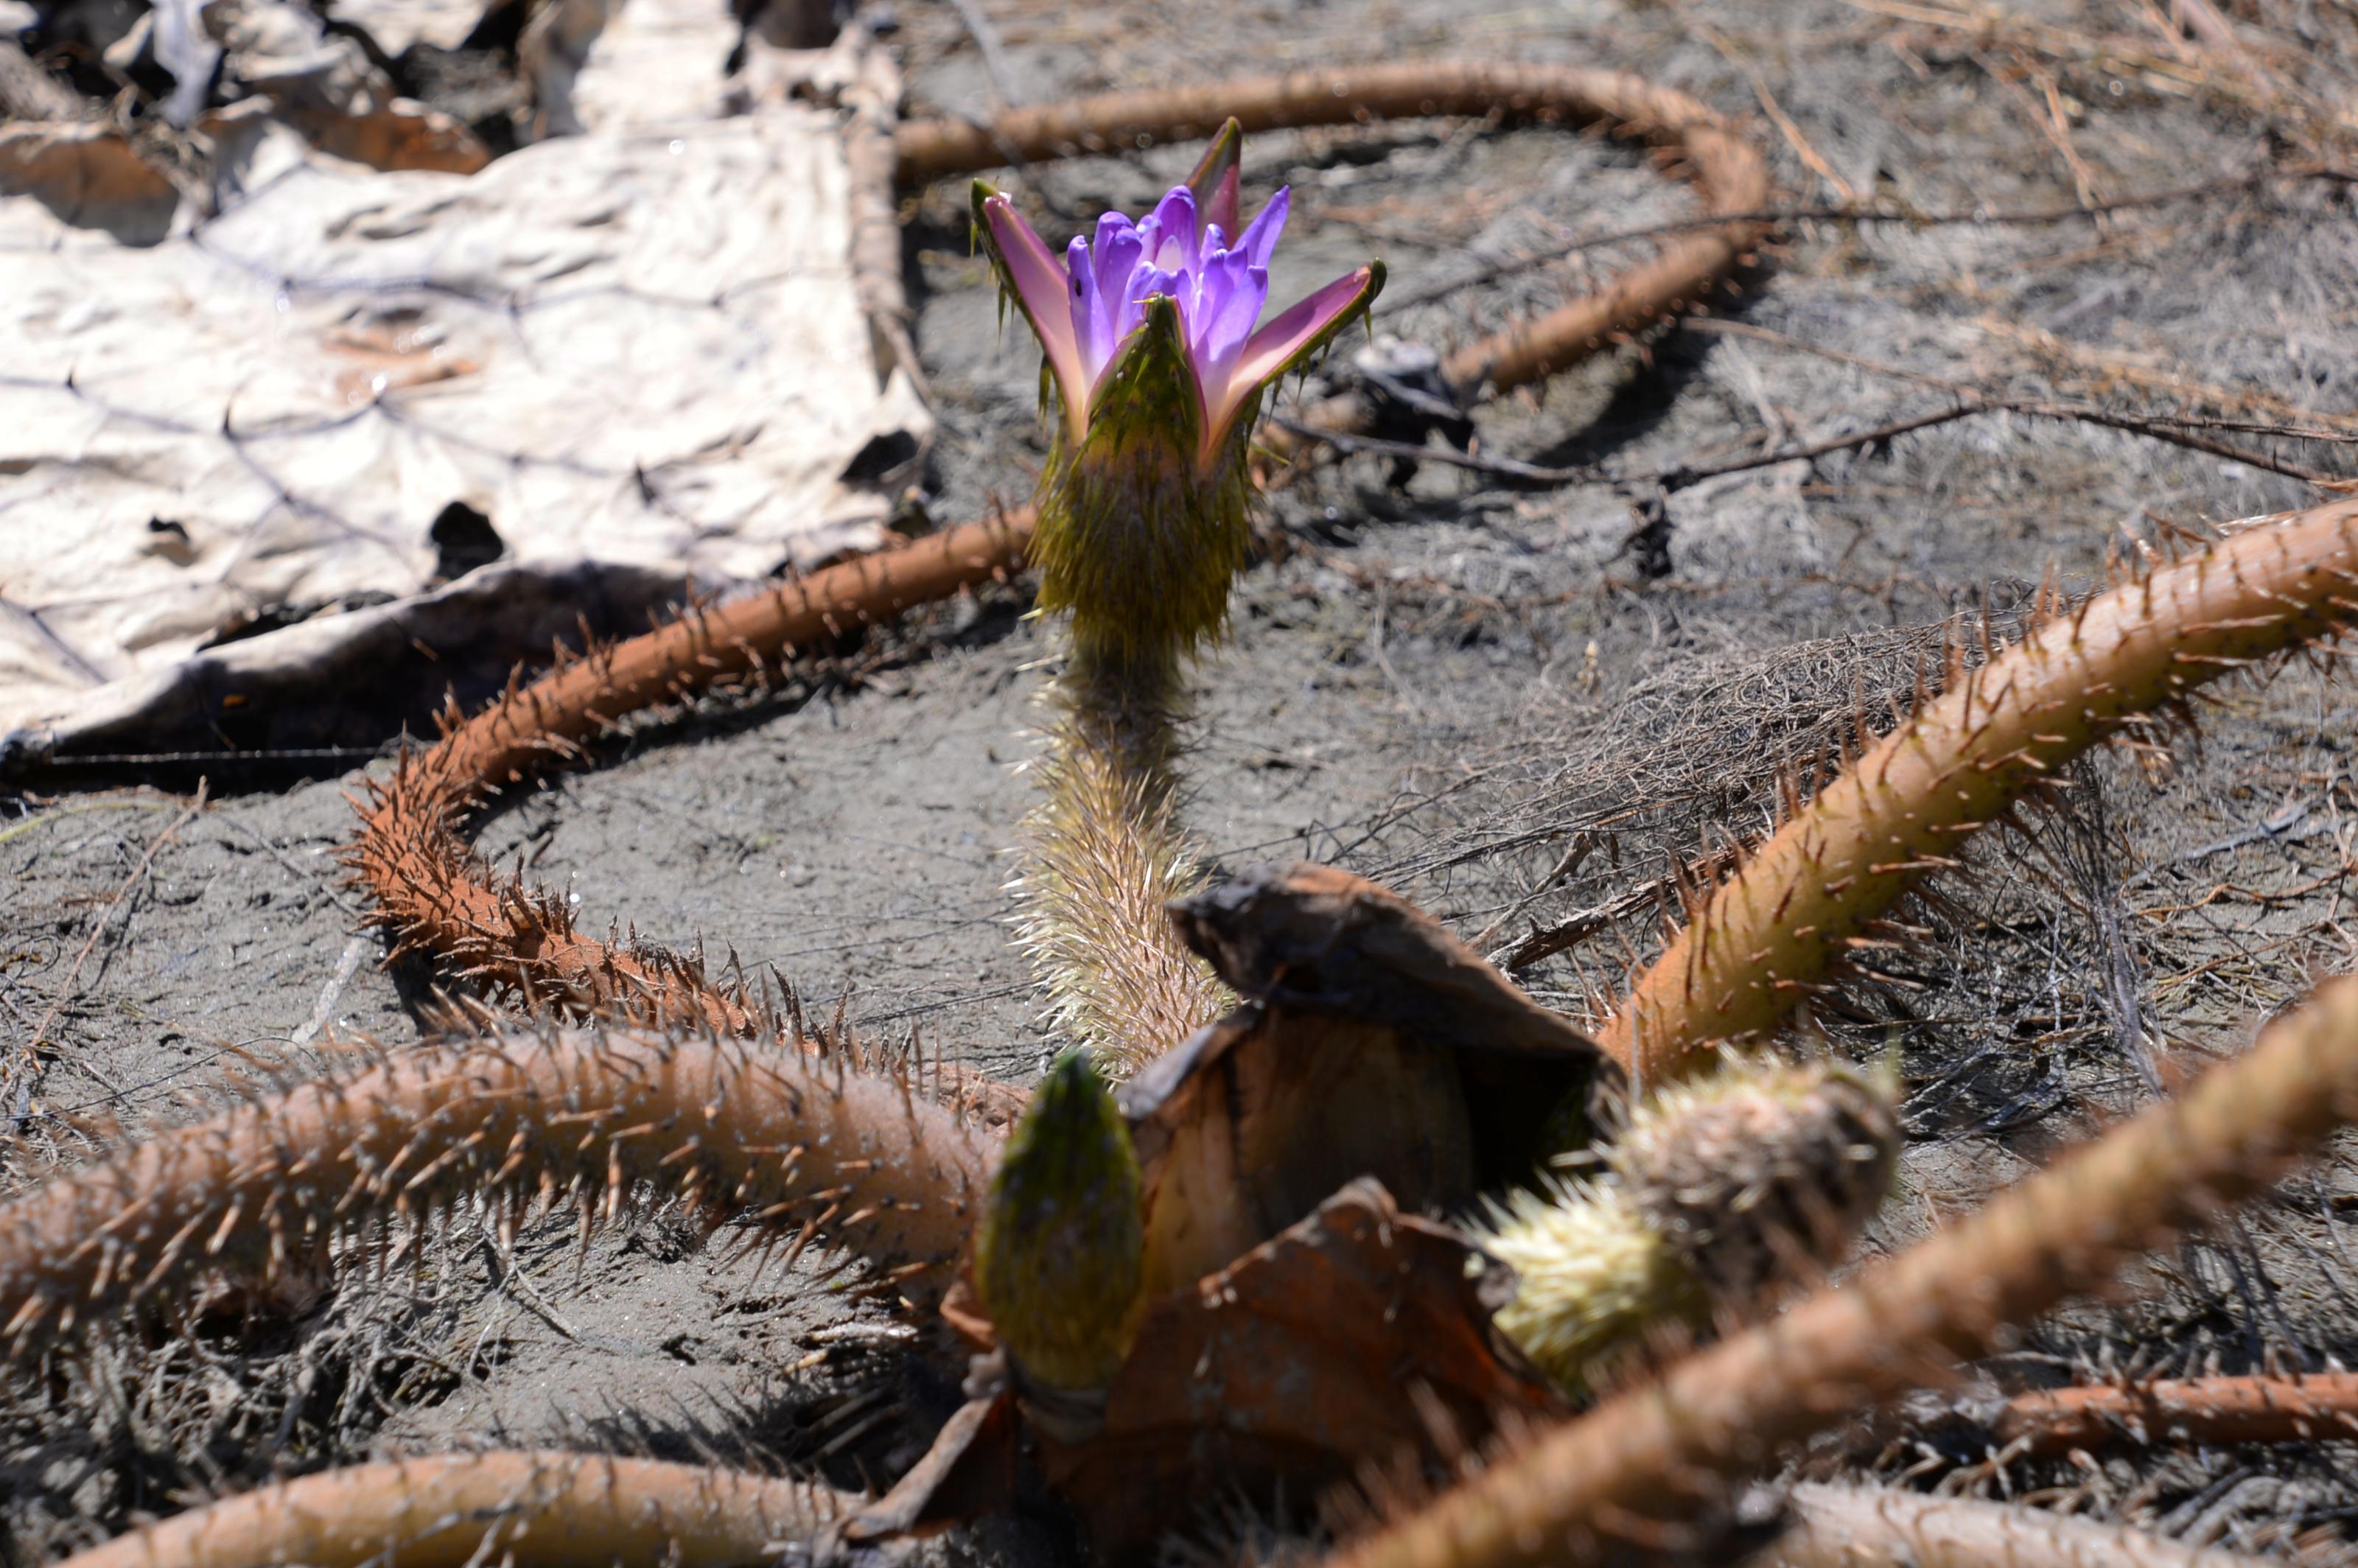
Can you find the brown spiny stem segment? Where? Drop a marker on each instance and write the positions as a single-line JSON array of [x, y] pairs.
[[2316, 1407], [1647, 1458], [535, 1510], [1107, 854], [1848, 1527], [438, 897], [1783, 923], [813, 1145]]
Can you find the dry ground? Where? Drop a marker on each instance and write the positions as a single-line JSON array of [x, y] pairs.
[[1441, 685]]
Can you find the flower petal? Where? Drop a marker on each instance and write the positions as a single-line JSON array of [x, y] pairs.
[[1229, 302], [1288, 340], [1117, 255], [1215, 180], [1175, 242], [1030, 272], [1260, 239], [1092, 319]]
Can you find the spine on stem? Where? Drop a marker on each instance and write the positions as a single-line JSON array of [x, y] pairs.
[[1107, 854]]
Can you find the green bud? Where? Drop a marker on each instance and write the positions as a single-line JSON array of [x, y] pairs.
[[1058, 1257]]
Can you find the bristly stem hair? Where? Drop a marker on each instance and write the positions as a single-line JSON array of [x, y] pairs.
[[1783, 926]]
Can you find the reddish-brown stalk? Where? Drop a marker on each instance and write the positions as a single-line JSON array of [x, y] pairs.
[[1848, 1527], [813, 1145], [1783, 923], [534, 1509], [2318, 1407], [1633, 1470], [438, 897]]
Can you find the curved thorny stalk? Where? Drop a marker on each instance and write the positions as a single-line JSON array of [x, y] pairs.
[[519, 1121], [534, 1509], [1782, 925]]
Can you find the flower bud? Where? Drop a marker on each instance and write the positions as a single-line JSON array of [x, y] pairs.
[[1058, 1255]]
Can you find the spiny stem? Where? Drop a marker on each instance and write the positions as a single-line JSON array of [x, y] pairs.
[[1650, 1457], [1107, 854], [517, 1120], [1845, 1527], [1799, 905], [535, 1510], [436, 896], [2318, 1407]]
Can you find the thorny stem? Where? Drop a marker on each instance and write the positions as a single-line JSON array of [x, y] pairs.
[[1807, 899], [533, 1510], [2214, 1412], [813, 1145], [1107, 855], [436, 896], [1649, 1458], [1847, 1527]]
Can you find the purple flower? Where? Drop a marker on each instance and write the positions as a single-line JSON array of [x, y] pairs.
[[1091, 311]]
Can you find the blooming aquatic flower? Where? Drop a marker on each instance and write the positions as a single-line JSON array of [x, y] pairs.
[[1157, 357]]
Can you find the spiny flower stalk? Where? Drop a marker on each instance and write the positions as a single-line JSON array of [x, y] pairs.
[[1651, 1456], [1808, 897], [1059, 1255], [1106, 856], [1715, 1195], [535, 1510], [518, 1121], [1153, 376]]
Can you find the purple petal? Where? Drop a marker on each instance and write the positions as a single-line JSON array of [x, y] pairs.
[[1092, 322], [1232, 293], [1215, 180], [1260, 239], [1175, 246], [1117, 250], [1221, 206], [1285, 340], [1144, 283], [1040, 292]]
